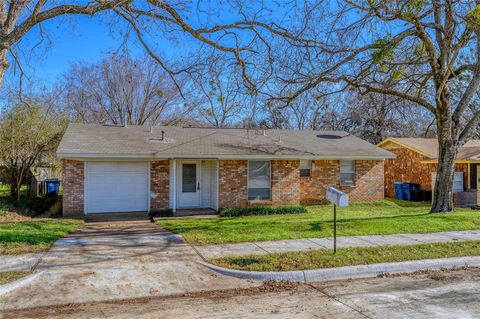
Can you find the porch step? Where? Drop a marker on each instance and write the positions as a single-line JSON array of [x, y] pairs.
[[195, 212]]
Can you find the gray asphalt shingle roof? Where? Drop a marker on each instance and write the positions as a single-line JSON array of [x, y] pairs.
[[92, 140], [429, 147]]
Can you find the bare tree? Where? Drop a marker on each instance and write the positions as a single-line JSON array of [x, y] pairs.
[[145, 20], [217, 94], [119, 90], [424, 52]]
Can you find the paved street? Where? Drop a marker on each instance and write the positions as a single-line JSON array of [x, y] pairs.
[[265, 247], [439, 294]]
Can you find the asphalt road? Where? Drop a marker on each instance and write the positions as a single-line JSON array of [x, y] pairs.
[[439, 294]]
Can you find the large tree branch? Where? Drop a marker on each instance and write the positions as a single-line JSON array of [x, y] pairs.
[[36, 18], [368, 88]]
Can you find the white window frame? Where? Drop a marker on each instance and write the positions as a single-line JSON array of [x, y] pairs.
[[342, 183], [269, 181], [309, 163]]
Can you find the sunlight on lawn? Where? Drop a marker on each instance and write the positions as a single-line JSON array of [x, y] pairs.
[[382, 217]]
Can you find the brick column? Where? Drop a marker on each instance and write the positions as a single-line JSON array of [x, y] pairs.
[[159, 185], [72, 185]]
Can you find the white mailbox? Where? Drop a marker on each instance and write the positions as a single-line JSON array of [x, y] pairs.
[[337, 197]]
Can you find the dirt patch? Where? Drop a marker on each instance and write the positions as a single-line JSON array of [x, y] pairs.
[[267, 286], [439, 274], [270, 286], [13, 216]]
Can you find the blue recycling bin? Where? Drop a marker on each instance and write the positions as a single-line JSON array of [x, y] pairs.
[[406, 191], [52, 187], [398, 190]]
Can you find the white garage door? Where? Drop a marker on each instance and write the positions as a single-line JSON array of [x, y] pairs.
[[116, 187]]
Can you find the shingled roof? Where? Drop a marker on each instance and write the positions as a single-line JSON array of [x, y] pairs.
[[94, 141], [429, 147]]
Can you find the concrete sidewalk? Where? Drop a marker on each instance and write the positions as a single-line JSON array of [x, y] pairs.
[[266, 247]]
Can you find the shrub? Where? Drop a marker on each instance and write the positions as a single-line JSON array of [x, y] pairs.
[[262, 210], [161, 213], [55, 210]]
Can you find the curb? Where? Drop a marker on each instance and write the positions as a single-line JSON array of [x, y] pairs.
[[360, 271], [6, 288]]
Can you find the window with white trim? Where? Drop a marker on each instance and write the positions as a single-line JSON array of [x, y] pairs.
[[347, 173], [259, 187], [305, 168]]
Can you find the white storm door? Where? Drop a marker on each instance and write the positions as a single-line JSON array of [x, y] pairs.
[[188, 184]]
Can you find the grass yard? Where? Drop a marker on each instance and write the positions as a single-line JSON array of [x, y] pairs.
[[9, 276], [5, 190], [382, 217], [325, 258], [34, 235]]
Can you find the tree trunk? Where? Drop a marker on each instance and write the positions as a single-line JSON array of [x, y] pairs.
[[3, 65], [448, 149], [15, 191]]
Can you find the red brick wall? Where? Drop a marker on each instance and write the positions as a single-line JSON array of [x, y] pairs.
[[72, 185], [232, 182], [407, 167], [368, 181], [159, 185], [288, 188], [285, 182]]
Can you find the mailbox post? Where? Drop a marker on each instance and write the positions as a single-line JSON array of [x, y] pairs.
[[339, 198]]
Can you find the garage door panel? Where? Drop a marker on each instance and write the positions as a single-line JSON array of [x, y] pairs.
[[116, 187]]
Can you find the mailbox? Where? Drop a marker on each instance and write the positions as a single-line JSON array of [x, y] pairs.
[[337, 197]]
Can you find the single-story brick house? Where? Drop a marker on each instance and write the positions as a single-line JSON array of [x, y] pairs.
[[416, 162], [142, 168]]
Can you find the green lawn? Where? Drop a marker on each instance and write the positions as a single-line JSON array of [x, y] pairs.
[[325, 258], [383, 217], [9, 276], [5, 190], [34, 235]]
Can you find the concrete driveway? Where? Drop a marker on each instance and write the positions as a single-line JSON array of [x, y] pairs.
[[111, 261]]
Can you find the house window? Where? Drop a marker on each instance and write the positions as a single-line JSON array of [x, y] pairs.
[[347, 173], [305, 168], [259, 180]]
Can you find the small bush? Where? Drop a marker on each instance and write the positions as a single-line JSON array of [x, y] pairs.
[[55, 210], [162, 213], [262, 210]]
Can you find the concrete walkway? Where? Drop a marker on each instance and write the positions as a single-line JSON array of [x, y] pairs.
[[112, 261], [266, 247], [19, 262]]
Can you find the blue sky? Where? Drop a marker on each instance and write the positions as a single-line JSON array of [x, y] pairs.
[[75, 39]]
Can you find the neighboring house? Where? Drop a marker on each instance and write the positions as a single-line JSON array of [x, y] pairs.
[[140, 168], [38, 175], [416, 162]]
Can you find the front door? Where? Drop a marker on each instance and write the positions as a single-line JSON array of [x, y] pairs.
[[188, 189]]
